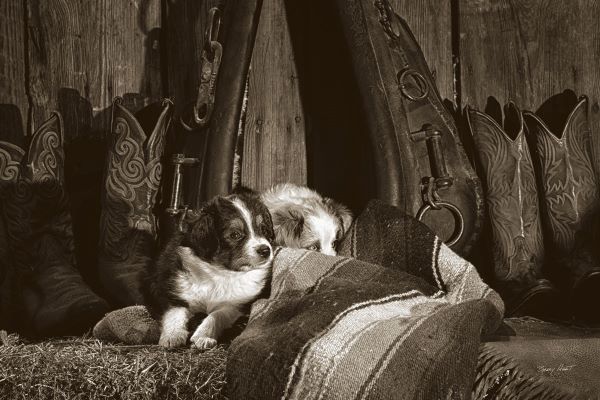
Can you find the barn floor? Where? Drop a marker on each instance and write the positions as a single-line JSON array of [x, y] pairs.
[[87, 368]]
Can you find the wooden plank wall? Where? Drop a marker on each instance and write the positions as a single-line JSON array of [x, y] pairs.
[[274, 140], [12, 54], [77, 64], [525, 51], [528, 50], [13, 99], [53, 56]]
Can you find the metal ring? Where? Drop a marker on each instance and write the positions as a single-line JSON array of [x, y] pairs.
[[458, 218], [184, 125], [419, 79], [204, 109], [190, 116]]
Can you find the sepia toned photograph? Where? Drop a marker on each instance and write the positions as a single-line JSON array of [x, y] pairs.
[[299, 199]]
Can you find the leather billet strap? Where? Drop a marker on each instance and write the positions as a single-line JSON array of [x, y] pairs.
[[212, 126], [240, 22], [413, 136]]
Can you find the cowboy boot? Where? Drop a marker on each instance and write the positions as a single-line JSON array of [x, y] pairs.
[[5, 279], [570, 200], [10, 274], [38, 224], [517, 244], [128, 227]]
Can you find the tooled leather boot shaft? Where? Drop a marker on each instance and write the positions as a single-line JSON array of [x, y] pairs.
[[567, 178], [128, 226]]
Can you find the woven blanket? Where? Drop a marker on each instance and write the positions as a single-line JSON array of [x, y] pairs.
[[404, 322]]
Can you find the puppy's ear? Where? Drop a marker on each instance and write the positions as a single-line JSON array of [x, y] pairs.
[[200, 231], [269, 229], [341, 212], [288, 224], [190, 217], [244, 191]]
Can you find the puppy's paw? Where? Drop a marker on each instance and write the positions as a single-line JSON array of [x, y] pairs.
[[173, 339], [204, 336], [203, 342]]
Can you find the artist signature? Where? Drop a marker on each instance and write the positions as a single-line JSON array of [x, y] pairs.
[[554, 370]]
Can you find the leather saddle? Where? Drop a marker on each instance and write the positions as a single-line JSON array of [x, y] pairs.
[[420, 164]]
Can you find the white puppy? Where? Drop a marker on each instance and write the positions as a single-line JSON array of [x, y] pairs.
[[302, 218]]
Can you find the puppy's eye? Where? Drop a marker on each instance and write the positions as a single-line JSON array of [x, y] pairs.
[[335, 244], [313, 247], [235, 235]]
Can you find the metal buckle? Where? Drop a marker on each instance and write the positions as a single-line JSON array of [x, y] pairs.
[[437, 162], [179, 161], [441, 180]]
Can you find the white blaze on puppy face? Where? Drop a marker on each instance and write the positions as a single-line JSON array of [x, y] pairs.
[[324, 228], [253, 242]]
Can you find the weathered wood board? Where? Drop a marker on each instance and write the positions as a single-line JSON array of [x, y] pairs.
[[274, 138], [527, 51], [530, 50], [83, 54], [14, 105]]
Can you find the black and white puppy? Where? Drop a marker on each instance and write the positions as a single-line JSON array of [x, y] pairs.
[[302, 218], [216, 265]]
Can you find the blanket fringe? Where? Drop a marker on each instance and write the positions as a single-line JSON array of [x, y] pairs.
[[501, 377]]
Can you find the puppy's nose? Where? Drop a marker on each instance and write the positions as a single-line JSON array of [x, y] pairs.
[[263, 250]]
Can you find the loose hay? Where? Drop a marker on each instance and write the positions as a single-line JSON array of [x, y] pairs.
[[89, 369]]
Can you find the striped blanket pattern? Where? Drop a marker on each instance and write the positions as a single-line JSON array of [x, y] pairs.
[[343, 328]]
